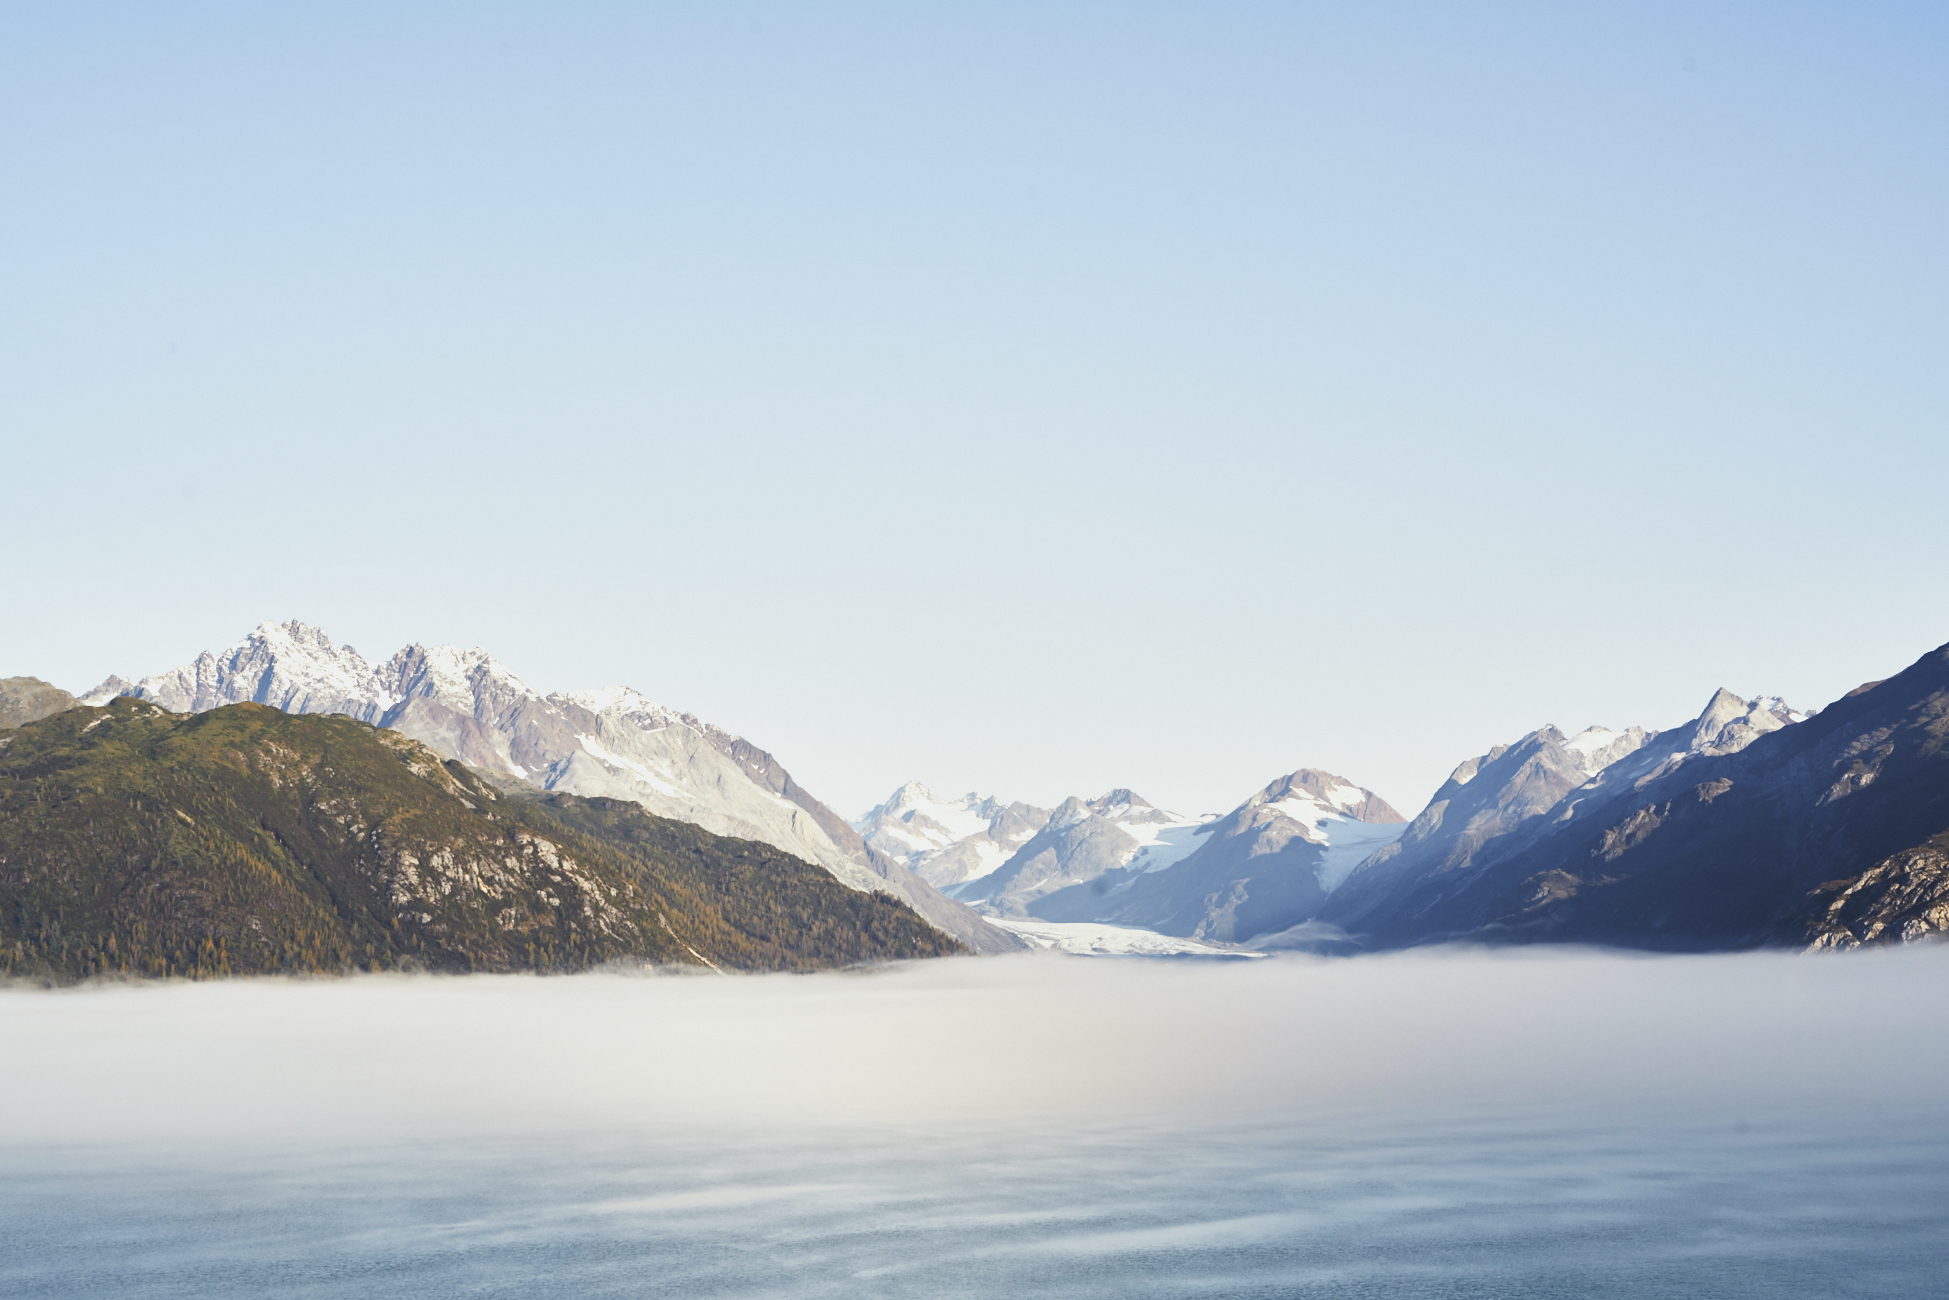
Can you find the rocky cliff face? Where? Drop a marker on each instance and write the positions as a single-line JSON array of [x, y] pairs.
[[1902, 899], [1263, 868], [610, 743]]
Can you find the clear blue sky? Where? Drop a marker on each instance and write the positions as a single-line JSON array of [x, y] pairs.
[[1034, 398]]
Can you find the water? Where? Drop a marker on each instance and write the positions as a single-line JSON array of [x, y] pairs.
[[1706, 1127], [1486, 1210]]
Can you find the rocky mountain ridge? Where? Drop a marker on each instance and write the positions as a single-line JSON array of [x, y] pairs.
[[609, 743], [1079, 841], [1714, 834], [1265, 867], [948, 841], [246, 840], [1752, 823]]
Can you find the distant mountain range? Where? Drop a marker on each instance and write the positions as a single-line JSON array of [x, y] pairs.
[[1263, 868], [1752, 824], [947, 842], [610, 743], [1120, 860]]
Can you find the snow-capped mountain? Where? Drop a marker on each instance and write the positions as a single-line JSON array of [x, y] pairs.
[[1751, 826], [948, 841], [1494, 805], [1080, 841], [610, 742], [1264, 867]]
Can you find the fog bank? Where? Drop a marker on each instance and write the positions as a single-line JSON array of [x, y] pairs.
[[977, 1046]]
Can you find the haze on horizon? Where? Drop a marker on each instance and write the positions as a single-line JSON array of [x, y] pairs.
[[1000, 1049], [1016, 399]]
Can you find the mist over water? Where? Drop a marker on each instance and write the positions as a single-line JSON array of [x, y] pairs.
[[1437, 1122]]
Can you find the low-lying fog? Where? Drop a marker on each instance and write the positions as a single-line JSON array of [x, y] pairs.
[[987, 1046]]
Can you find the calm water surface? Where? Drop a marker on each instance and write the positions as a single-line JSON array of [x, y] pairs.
[[1801, 1207], [1427, 1125]]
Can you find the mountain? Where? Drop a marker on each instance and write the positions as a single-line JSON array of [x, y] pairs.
[[1483, 801], [1492, 806], [1747, 828], [245, 840], [610, 743], [1080, 841], [29, 699], [948, 841], [1265, 867]]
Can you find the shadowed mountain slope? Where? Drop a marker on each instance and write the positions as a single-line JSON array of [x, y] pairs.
[[1827, 832]]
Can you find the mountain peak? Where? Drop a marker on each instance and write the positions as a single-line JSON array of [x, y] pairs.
[[1730, 723], [1335, 795], [1118, 802]]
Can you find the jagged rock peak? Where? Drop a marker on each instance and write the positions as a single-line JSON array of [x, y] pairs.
[[292, 666], [1730, 723]]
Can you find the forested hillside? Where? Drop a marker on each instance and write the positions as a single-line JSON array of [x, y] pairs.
[[247, 840]]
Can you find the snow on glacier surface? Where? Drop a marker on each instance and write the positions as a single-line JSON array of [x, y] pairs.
[[1302, 807], [1096, 939], [1163, 844], [1350, 842]]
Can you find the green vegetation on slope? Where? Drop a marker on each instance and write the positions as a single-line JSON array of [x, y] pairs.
[[246, 840]]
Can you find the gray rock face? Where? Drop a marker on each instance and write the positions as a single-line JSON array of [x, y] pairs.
[[612, 742], [1266, 867], [29, 699], [1902, 899], [1078, 842]]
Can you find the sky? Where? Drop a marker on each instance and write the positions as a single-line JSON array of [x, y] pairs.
[[1031, 399]]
